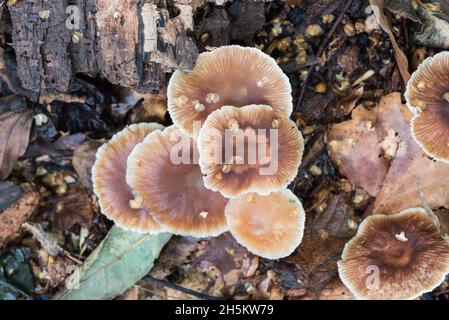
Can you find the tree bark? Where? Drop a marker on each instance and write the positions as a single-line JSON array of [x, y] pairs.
[[132, 43]]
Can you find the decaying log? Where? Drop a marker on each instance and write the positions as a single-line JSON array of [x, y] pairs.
[[131, 43]]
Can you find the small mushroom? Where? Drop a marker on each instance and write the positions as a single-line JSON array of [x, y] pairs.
[[163, 172], [427, 97], [229, 75], [395, 257], [249, 149], [115, 197], [269, 226]]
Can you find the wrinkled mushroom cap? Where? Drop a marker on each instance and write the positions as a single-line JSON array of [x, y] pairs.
[[115, 197], [395, 257], [269, 226], [272, 150], [175, 191], [428, 98], [229, 75]]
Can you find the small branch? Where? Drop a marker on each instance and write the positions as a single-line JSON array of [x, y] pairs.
[[194, 293], [320, 51]]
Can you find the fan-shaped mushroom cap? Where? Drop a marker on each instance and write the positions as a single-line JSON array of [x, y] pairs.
[[229, 75], [115, 197], [428, 98], [173, 187], [269, 226], [270, 154], [399, 256]]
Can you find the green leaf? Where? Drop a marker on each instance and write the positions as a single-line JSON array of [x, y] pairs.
[[122, 259]]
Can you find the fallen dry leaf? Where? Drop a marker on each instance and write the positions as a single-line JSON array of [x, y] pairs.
[[268, 288], [12, 218], [363, 147], [434, 31], [411, 170], [71, 208], [15, 129], [432, 17], [83, 160], [314, 263], [130, 294], [355, 148], [334, 290], [401, 58], [142, 107], [47, 241], [232, 261]]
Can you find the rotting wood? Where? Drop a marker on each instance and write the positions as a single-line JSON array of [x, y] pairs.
[[131, 43]]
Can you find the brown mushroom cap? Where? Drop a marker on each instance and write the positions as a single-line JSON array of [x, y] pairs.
[[229, 75], [428, 98], [115, 197], [175, 193], [234, 173], [399, 256], [269, 226]]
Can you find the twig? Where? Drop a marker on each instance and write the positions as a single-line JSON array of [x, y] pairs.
[[320, 51], [194, 293]]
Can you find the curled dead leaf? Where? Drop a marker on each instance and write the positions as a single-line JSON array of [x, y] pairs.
[[15, 129]]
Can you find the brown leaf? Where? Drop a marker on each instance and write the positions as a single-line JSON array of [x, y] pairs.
[[403, 8], [334, 290], [233, 261], [348, 60], [401, 58], [12, 218], [344, 105], [354, 146], [15, 129], [149, 107], [314, 263], [72, 208], [48, 242], [130, 294], [411, 170], [83, 160]]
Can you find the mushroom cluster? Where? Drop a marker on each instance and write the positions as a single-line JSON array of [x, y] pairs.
[[224, 165]]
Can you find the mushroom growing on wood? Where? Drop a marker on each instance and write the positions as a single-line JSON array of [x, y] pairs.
[[269, 226], [115, 197], [399, 256], [249, 149], [229, 75], [173, 187], [428, 98]]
